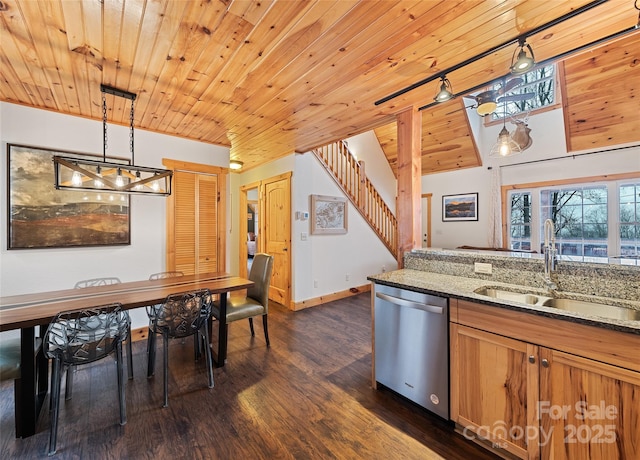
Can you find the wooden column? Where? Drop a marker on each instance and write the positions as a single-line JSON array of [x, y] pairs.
[[408, 210]]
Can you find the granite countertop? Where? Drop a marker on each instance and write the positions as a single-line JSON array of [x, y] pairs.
[[463, 288]]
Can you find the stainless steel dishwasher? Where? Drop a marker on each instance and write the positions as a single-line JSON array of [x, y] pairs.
[[412, 346]]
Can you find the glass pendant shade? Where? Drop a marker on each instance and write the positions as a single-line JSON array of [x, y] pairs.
[[505, 146]]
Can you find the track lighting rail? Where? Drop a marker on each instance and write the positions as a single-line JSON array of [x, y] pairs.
[[490, 51]]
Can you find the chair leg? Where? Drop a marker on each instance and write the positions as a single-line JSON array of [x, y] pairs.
[[197, 346], [130, 355], [266, 330], [68, 391], [56, 378], [165, 335], [207, 352], [151, 353], [251, 327], [121, 400]]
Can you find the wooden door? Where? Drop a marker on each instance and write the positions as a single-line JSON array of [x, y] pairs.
[[588, 409], [492, 384], [426, 220], [275, 234]]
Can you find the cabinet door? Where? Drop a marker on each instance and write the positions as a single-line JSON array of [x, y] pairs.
[[193, 230], [588, 409], [494, 380]]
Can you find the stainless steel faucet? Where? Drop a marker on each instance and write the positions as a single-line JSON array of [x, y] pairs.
[[550, 253]]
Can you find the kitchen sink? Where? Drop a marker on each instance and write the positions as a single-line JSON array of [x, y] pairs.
[[496, 293], [593, 308], [585, 307]]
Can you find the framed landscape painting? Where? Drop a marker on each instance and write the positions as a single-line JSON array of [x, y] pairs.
[[39, 216], [460, 207]]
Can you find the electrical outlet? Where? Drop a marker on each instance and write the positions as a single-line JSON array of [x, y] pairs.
[[482, 268], [384, 269], [303, 236], [315, 283], [346, 277]]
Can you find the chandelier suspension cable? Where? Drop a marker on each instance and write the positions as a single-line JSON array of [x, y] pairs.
[[118, 175], [104, 127], [131, 132]]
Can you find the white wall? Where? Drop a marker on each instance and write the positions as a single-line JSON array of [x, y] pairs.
[[325, 258], [366, 147], [546, 159], [33, 270]]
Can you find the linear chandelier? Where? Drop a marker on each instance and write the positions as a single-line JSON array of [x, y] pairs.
[[84, 174]]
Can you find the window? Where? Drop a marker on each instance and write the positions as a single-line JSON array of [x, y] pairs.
[[580, 218], [629, 200], [520, 222], [592, 221], [540, 81]]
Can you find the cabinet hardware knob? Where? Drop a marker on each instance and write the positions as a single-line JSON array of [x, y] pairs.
[[545, 363], [532, 359]]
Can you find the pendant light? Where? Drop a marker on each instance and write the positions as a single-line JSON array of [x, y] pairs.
[[505, 145], [76, 173]]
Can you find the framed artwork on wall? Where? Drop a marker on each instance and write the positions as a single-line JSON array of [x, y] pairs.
[[328, 215], [39, 216], [460, 207]]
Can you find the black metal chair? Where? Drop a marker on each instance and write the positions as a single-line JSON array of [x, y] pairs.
[[256, 302], [161, 276], [105, 281], [181, 315], [80, 337], [165, 275]]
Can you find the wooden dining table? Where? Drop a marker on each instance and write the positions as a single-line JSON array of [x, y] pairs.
[[27, 311]]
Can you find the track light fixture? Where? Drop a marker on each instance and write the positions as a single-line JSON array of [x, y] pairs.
[[445, 92], [522, 63]]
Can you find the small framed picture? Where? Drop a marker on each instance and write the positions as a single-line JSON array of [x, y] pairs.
[[328, 215], [460, 207]]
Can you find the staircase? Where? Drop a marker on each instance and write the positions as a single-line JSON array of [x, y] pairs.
[[350, 176]]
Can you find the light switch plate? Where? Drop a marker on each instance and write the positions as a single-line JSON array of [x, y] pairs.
[[482, 268]]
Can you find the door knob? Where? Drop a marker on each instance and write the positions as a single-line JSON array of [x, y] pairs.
[[545, 363], [532, 359]]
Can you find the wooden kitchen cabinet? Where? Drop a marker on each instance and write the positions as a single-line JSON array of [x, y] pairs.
[[535, 387], [588, 409], [492, 385]]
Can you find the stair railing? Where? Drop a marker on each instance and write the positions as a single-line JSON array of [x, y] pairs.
[[350, 176]]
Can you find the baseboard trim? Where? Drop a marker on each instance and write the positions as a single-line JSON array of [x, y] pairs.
[[314, 302]]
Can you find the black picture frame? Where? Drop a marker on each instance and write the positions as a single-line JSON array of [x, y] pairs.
[[461, 207]]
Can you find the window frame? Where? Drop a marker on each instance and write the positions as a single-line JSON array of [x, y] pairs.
[[556, 104], [612, 181]]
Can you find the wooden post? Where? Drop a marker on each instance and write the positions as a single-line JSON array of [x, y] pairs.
[[408, 209]]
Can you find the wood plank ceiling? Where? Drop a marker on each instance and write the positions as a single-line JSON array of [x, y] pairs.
[[272, 77]]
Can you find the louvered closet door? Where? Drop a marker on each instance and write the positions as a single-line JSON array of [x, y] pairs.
[[196, 224]]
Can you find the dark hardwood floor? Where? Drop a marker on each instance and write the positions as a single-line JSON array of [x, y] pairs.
[[309, 396]]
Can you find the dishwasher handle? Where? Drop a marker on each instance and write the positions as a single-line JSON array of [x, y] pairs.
[[410, 304]]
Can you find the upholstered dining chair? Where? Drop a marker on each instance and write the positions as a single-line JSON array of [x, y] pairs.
[[105, 281], [80, 337], [256, 302], [180, 315]]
